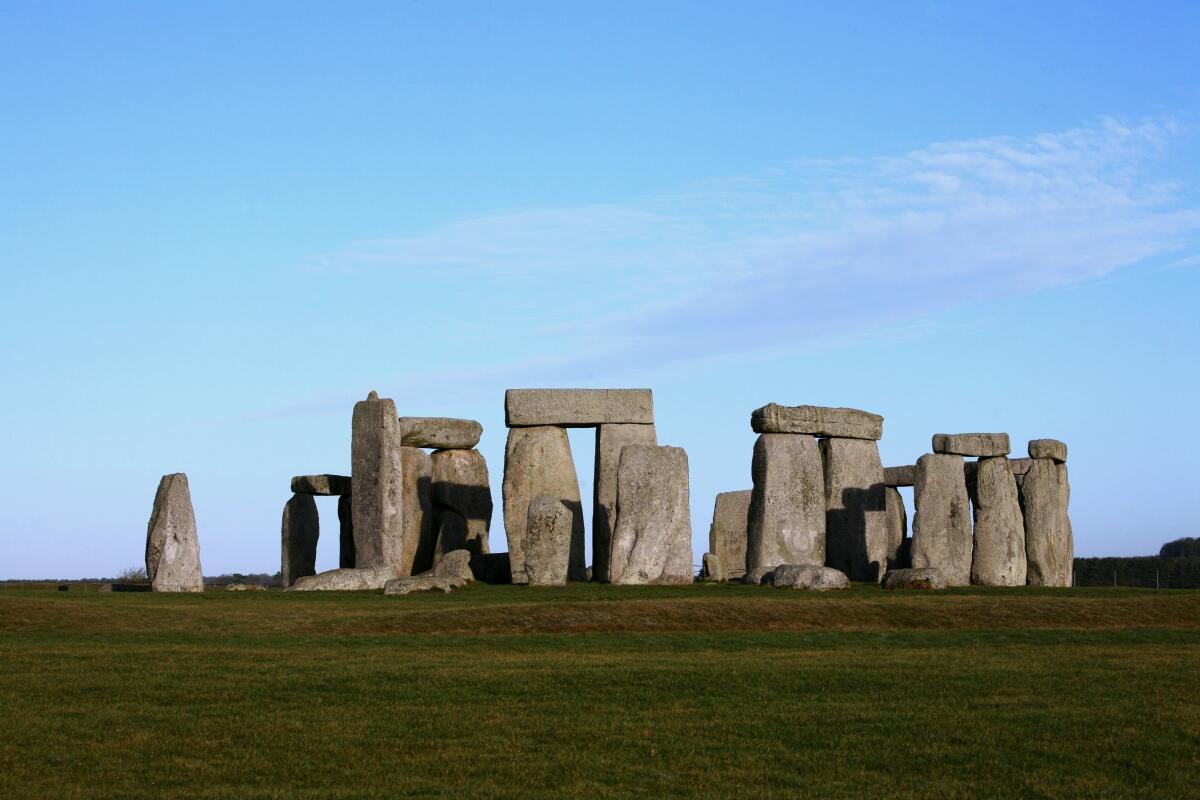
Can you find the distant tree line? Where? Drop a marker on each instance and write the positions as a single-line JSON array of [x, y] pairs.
[[1164, 571]]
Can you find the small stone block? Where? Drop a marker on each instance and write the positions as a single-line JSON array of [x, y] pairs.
[[1048, 448]]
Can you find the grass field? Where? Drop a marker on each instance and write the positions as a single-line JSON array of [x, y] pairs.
[[598, 691]]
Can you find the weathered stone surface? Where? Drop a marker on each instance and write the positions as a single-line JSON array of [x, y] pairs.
[[417, 512], [346, 532], [451, 533], [172, 545], [376, 467], [1048, 448], [653, 540], [609, 441], [1048, 545], [927, 578], [846, 423], [711, 568], [440, 432], [547, 542], [491, 568], [300, 530], [455, 564], [787, 505], [727, 533], [345, 580], [1064, 486], [537, 460], [421, 583], [971, 444], [942, 524], [1020, 465], [577, 408], [806, 576], [999, 556], [900, 476], [757, 576], [325, 485], [460, 484], [898, 551], [856, 534]]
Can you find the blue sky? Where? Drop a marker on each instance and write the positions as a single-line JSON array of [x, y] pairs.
[[222, 224]]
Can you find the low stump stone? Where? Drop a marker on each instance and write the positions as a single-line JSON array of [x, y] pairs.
[[806, 576], [924, 578], [421, 583]]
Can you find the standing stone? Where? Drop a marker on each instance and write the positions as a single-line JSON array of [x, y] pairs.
[[376, 468], [942, 525], [346, 531], [442, 433], [172, 546], [653, 539], [1048, 546], [420, 535], [897, 529], [999, 557], [575, 408], [787, 506], [537, 460], [460, 485], [301, 529], [846, 423], [1064, 487], [856, 533], [983, 445], [727, 534], [610, 439], [711, 568], [547, 542]]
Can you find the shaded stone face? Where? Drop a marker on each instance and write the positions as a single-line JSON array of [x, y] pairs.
[[847, 423], [376, 468], [898, 552], [420, 535], [346, 532], [300, 530], [461, 486], [652, 543], [1064, 487], [942, 525], [927, 578], [577, 408], [900, 476], [609, 441], [345, 580], [547, 542], [806, 576], [325, 485], [441, 433], [537, 460], [1048, 546], [729, 529], [172, 544], [999, 555], [856, 534], [455, 564], [971, 444], [787, 505], [1048, 448]]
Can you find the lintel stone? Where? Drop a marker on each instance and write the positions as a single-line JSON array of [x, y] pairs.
[[441, 433], [900, 476], [845, 423], [982, 445], [577, 408], [324, 485]]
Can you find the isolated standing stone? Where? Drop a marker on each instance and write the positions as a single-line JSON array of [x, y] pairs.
[[460, 484], [441, 433], [376, 468], [172, 545], [345, 580], [897, 529], [1048, 546], [537, 460], [325, 485], [856, 534], [999, 556], [1048, 448], [711, 568], [610, 439], [846, 423], [787, 505], [346, 532], [301, 529], [547, 542], [972, 444], [942, 524], [727, 533], [653, 540], [575, 408], [806, 576], [420, 536]]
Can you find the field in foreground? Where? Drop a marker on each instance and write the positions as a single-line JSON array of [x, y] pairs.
[[505, 691]]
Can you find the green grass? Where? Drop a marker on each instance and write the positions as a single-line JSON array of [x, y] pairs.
[[503, 691]]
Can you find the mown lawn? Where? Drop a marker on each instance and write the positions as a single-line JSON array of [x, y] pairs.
[[597, 691]]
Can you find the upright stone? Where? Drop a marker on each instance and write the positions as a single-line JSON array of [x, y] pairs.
[[999, 557], [1064, 487], [537, 460], [856, 534], [898, 553], [652, 543], [420, 535], [727, 533], [460, 485], [610, 438], [787, 505], [346, 531], [547, 542], [301, 529], [711, 569], [1048, 546], [172, 545], [846, 423], [577, 408], [377, 473], [942, 525]]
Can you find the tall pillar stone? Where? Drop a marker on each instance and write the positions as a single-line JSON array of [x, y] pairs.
[[460, 487], [346, 532], [999, 555], [610, 438], [787, 504], [942, 524], [537, 460], [856, 536], [727, 533], [417, 513], [652, 543], [1064, 487], [172, 544], [898, 552], [300, 530], [547, 542], [377, 473], [1048, 545]]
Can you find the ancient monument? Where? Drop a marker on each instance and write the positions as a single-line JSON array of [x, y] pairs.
[[172, 547]]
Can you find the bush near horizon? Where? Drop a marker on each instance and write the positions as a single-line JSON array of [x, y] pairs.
[[1184, 547]]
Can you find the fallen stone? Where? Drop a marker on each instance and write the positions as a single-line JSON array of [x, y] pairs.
[[577, 408], [491, 568], [325, 485], [653, 540], [421, 583], [999, 555], [806, 576], [417, 512], [455, 564], [1048, 546], [172, 545], [300, 530], [787, 505], [547, 542], [942, 525], [345, 580], [727, 533], [927, 578], [460, 484], [377, 469], [971, 444], [441, 433], [758, 576], [856, 533], [897, 528], [609, 441], [846, 423], [1048, 448], [345, 532], [537, 460], [711, 568], [900, 476]]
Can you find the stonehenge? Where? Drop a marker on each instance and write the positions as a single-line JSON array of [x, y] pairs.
[[806, 576], [461, 492], [856, 524], [652, 542], [417, 531], [172, 545], [611, 438], [1044, 496], [787, 504], [844, 423], [577, 408], [942, 524], [549, 525], [440, 433], [727, 533], [537, 460], [377, 469], [301, 528], [998, 558], [896, 520]]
